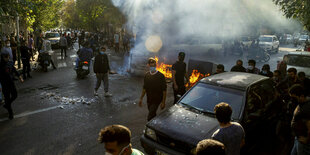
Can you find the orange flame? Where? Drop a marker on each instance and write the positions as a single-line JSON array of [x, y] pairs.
[[164, 68], [195, 77]]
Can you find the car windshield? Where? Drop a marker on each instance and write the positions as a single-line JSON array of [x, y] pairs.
[[204, 97], [265, 39], [304, 37], [299, 60], [51, 35]]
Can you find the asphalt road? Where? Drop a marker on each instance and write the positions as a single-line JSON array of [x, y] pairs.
[[55, 113]]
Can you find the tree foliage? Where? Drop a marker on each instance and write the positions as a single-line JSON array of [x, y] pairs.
[[43, 14], [299, 9], [91, 15]]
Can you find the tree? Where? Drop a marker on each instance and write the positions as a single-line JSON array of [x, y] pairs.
[[91, 15], [298, 9]]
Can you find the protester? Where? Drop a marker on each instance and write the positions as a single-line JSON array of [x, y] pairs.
[[116, 42], [155, 89], [31, 46], [178, 75], [25, 56], [14, 49], [63, 45], [266, 71], [277, 78], [220, 69], [301, 121], [7, 70], [7, 49], [102, 69], [238, 67], [231, 134], [290, 80], [116, 139], [252, 68], [282, 66], [210, 147], [305, 82]]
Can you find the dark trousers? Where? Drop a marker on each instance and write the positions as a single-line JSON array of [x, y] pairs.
[[32, 53], [152, 107], [26, 67], [10, 94], [63, 49], [116, 47], [181, 91]]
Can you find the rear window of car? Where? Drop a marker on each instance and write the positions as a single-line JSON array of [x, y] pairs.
[[299, 60], [265, 39], [204, 97], [51, 35]]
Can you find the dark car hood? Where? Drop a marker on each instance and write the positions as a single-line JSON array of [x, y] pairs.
[[179, 123]]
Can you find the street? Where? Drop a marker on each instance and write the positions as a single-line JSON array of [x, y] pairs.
[[55, 113]]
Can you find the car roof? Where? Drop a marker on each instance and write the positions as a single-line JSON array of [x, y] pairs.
[[299, 53], [235, 80]]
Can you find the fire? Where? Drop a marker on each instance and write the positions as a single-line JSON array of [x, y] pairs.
[[164, 68], [195, 77]]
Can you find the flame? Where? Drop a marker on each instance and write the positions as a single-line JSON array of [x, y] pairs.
[[164, 68], [195, 77]]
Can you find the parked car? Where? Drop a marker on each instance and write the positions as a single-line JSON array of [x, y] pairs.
[[302, 39], [178, 129], [54, 38], [269, 43], [300, 61]]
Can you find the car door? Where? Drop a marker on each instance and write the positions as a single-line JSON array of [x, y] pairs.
[[257, 114]]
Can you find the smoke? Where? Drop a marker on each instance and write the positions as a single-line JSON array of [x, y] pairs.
[[169, 22]]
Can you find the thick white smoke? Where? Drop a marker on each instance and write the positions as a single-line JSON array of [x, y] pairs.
[[175, 21]]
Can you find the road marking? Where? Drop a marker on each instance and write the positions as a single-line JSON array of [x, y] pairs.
[[31, 113]]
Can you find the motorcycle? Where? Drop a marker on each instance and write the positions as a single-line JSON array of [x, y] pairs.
[[44, 60], [83, 69], [259, 54]]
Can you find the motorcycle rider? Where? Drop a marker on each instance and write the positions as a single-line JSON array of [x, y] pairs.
[[85, 54]]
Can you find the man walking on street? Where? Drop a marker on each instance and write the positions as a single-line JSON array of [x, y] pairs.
[[155, 89], [7, 70], [25, 56], [116, 139], [63, 45], [178, 74], [102, 69], [252, 68]]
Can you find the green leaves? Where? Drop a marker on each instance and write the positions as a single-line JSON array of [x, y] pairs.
[[298, 9], [90, 15]]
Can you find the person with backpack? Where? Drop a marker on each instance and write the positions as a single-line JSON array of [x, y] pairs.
[[102, 70]]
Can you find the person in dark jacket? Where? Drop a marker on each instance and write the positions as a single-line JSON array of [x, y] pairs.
[[301, 121], [178, 75], [238, 67], [7, 70], [266, 71], [25, 56], [102, 70]]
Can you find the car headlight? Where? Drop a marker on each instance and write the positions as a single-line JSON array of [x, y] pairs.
[[150, 133]]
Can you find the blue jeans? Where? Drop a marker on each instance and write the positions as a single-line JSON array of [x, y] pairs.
[[300, 149]]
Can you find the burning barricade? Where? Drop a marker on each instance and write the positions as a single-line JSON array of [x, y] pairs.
[[198, 70]]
